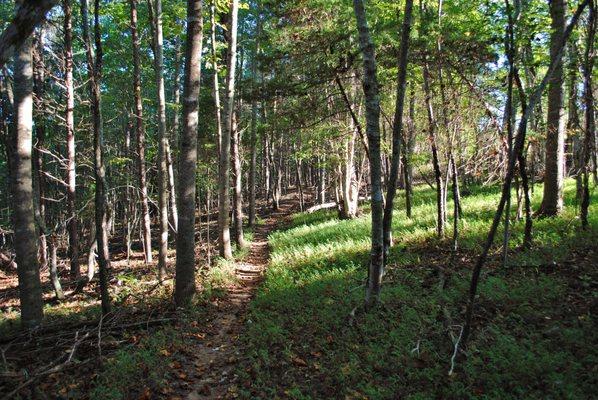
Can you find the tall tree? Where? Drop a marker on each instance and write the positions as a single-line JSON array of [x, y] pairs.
[[70, 140], [432, 125], [162, 136], [590, 124], [253, 135], [554, 173], [26, 249], [140, 134], [39, 181], [225, 146], [94, 57], [372, 104], [216, 79], [397, 129], [238, 184], [185, 243]]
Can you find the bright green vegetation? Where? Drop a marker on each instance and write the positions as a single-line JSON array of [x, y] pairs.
[[534, 334]]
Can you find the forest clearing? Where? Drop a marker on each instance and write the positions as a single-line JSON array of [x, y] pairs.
[[314, 199]]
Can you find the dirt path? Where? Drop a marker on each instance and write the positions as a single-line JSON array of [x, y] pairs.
[[215, 358]]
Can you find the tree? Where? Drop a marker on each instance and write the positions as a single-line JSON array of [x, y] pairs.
[[140, 134], [225, 145], [253, 135], [26, 249], [372, 103], [94, 72], [162, 137], [554, 173], [70, 140], [185, 243], [29, 15], [397, 130], [432, 124], [590, 124]]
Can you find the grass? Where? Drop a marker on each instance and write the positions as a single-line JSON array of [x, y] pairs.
[[534, 332]]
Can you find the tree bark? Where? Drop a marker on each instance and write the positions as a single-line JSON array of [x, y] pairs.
[[174, 215], [552, 202], [73, 222], [185, 243], [94, 69], [238, 186], [163, 173], [590, 125], [408, 146], [372, 102], [39, 181], [253, 139], [224, 173], [440, 210], [140, 133], [54, 278], [29, 15], [30, 293], [397, 129]]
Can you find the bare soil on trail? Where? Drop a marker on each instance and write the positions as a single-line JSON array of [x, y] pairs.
[[215, 357]]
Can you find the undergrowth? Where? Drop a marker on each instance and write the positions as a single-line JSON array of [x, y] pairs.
[[534, 333]]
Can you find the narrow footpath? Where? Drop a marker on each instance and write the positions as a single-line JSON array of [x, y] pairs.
[[216, 357]]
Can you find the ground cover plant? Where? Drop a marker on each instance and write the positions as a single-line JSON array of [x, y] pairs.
[[309, 338]]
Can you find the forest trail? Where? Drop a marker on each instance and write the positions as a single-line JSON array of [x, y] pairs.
[[216, 356]]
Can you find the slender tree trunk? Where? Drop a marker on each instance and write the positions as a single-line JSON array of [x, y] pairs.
[[253, 138], [440, 211], [174, 215], [163, 173], [216, 83], [347, 177], [397, 129], [185, 243], [521, 161], [94, 67], [590, 125], [129, 205], [224, 175], [73, 222], [510, 52], [372, 101], [456, 202], [266, 157], [140, 133], [299, 184], [238, 187], [321, 181], [552, 202], [39, 181], [30, 293], [408, 145], [54, 278]]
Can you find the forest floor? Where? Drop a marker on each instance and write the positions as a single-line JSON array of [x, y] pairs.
[[297, 329], [534, 334], [144, 348]]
